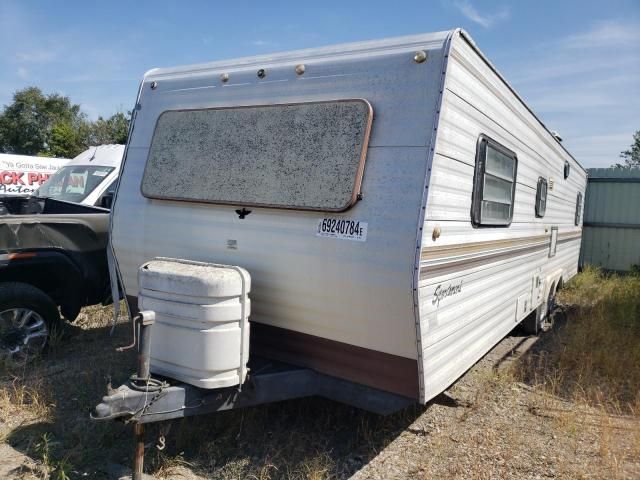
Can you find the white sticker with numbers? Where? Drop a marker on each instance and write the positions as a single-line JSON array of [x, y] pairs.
[[342, 228]]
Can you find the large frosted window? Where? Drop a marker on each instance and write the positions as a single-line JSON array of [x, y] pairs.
[[494, 184], [307, 156]]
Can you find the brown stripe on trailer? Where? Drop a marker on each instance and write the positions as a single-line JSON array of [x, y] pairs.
[[372, 368], [449, 260], [376, 369], [444, 251]]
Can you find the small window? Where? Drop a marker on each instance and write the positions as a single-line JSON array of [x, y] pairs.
[[578, 208], [111, 189], [541, 197], [567, 169], [553, 244], [106, 199], [494, 184]]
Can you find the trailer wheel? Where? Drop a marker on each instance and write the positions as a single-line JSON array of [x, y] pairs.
[[541, 319], [28, 316]]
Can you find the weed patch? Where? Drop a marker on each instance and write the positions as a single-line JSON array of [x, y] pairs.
[[594, 357]]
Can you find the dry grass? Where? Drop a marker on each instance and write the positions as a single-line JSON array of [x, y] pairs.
[[594, 357], [586, 374], [569, 408], [45, 404], [31, 399]]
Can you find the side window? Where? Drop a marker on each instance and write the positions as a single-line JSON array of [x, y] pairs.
[[106, 199], [494, 184], [578, 208], [567, 169], [111, 189], [541, 197]]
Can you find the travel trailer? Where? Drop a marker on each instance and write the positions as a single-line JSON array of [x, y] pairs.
[[90, 178], [362, 222]]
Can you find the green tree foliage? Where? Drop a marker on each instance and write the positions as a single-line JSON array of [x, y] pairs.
[[51, 125], [65, 141], [631, 156], [26, 124], [112, 130]]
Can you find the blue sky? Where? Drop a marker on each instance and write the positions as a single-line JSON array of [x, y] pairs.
[[577, 63]]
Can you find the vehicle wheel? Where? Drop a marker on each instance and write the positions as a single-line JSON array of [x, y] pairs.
[[27, 318], [541, 319]]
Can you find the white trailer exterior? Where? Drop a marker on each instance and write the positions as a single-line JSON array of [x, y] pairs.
[[426, 287]]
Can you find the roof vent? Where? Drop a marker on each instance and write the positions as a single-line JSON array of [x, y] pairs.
[[556, 135]]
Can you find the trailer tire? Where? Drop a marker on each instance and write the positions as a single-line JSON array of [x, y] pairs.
[[541, 319], [28, 317]]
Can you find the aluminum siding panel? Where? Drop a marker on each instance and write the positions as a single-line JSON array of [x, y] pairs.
[[352, 292], [459, 329]]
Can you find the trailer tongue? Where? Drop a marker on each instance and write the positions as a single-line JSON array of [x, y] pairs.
[[272, 381], [201, 315]]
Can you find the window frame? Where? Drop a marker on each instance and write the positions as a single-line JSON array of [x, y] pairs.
[[109, 191], [482, 145], [541, 181], [553, 242], [578, 209], [356, 185]]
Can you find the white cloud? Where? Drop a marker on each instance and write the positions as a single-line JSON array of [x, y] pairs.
[[568, 100], [484, 20], [604, 35], [586, 85], [600, 150], [36, 56], [93, 71], [260, 43], [581, 66]]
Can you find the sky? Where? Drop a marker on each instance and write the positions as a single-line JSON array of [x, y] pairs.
[[576, 63]]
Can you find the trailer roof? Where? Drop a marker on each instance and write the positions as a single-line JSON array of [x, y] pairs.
[[370, 47]]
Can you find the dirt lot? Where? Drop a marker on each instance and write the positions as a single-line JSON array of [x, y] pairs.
[[564, 405]]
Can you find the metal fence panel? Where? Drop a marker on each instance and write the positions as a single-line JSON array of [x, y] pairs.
[[611, 237]]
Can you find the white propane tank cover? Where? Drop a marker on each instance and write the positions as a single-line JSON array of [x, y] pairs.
[[201, 333]]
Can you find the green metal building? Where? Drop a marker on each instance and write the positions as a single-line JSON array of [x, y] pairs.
[[611, 236]]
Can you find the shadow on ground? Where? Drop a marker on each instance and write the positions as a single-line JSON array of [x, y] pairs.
[[298, 438], [303, 438]]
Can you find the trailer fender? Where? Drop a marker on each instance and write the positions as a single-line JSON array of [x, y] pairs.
[[553, 280]]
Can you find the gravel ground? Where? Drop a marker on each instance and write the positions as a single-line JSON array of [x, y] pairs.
[[491, 426], [487, 425]]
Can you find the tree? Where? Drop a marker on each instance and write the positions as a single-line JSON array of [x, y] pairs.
[[631, 156], [114, 129], [52, 126], [27, 124], [65, 141]]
